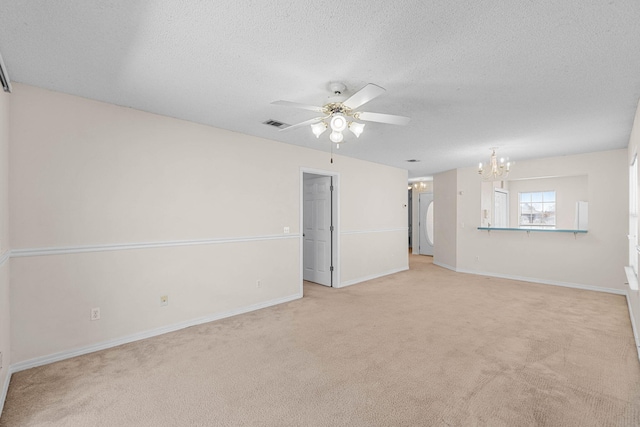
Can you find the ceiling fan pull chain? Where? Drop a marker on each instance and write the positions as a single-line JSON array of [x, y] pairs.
[[332, 153]]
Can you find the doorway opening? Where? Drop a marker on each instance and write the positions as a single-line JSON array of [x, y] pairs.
[[319, 227]]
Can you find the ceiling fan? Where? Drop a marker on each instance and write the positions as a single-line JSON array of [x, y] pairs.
[[341, 115]]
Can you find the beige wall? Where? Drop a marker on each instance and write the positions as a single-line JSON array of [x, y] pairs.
[[445, 215], [569, 190], [373, 221], [109, 206], [593, 260], [5, 341]]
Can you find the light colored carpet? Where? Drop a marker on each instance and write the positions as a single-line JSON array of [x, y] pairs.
[[419, 348]]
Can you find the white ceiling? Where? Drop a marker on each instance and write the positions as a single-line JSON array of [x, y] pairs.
[[534, 78]]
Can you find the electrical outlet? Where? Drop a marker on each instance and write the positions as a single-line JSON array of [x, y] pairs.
[[258, 284], [95, 313], [286, 230], [164, 300]]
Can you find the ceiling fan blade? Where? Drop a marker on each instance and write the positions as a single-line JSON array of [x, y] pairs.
[[364, 95], [301, 124], [297, 105], [384, 118]]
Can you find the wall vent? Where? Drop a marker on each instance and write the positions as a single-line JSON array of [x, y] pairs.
[[275, 123]]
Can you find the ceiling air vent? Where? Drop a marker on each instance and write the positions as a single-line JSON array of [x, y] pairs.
[[413, 160], [275, 123]]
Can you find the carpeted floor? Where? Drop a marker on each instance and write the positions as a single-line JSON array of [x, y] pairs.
[[426, 347]]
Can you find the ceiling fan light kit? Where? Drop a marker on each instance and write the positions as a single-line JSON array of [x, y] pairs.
[[342, 115], [336, 137], [338, 122], [318, 128], [356, 128]]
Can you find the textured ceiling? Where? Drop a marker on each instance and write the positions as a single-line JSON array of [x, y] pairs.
[[534, 78]]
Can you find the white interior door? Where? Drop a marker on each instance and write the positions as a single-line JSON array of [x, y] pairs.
[[426, 224], [500, 208], [317, 229]]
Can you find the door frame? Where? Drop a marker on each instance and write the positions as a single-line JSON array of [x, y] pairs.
[[335, 214]]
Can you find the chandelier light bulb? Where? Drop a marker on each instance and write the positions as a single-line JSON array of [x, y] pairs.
[[338, 122], [356, 128], [318, 128], [336, 137]]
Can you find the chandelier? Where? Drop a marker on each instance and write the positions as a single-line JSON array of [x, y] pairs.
[[337, 116], [496, 169]]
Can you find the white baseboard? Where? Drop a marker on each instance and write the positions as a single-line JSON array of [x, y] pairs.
[[44, 360], [633, 324], [371, 277], [443, 265], [5, 388], [537, 280]]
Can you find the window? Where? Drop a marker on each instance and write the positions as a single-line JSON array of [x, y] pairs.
[[537, 209]]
